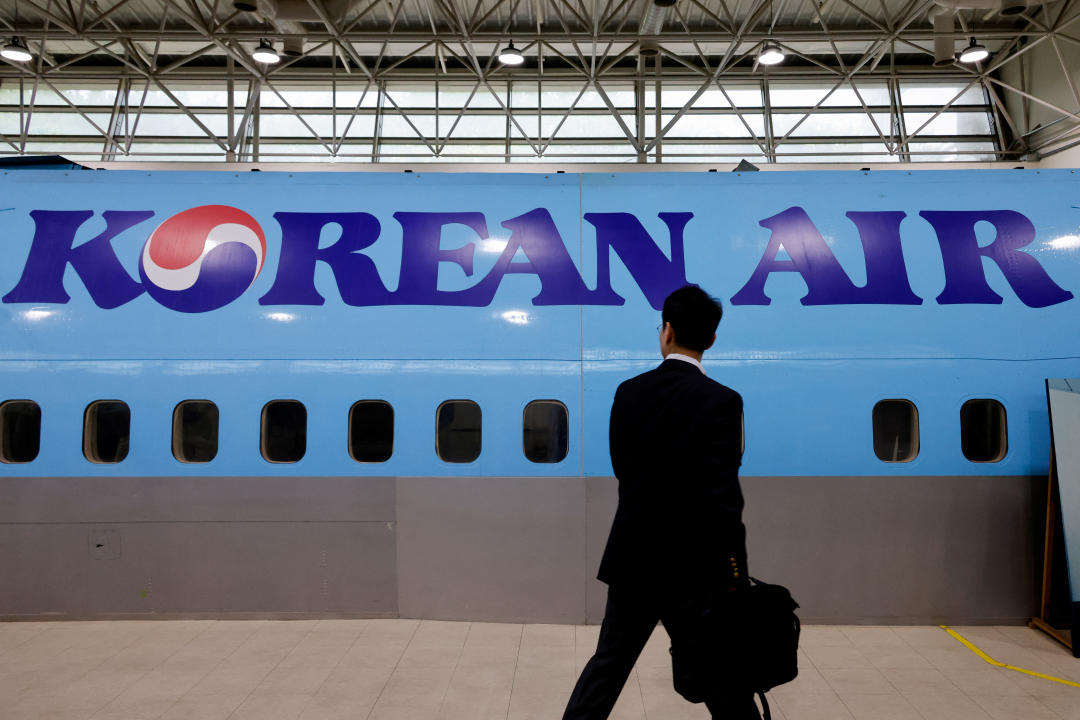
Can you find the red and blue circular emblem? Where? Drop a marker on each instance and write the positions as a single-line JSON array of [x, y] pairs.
[[203, 258]]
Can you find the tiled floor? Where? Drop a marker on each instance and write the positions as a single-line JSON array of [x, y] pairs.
[[412, 670]]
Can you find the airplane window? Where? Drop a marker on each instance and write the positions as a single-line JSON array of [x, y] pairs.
[[371, 431], [457, 437], [896, 430], [106, 431], [284, 431], [546, 429], [195, 431], [983, 431], [20, 431]]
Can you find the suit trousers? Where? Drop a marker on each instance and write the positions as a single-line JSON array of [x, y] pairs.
[[629, 619]]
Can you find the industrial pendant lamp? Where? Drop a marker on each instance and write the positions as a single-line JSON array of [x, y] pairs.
[[265, 53], [510, 55], [16, 51], [771, 54], [974, 53]]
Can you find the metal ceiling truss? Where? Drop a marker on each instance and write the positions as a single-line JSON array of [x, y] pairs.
[[382, 47]]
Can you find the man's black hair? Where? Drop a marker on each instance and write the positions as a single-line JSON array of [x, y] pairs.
[[694, 316]]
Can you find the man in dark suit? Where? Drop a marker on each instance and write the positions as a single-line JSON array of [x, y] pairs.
[[678, 539]]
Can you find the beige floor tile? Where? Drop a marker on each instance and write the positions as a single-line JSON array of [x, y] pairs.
[[824, 636], [484, 675], [48, 704], [921, 637], [887, 706], [1013, 707], [295, 680], [421, 689], [954, 657], [809, 680], [991, 641], [813, 706], [952, 706], [655, 675], [336, 708], [91, 693], [1063, 665], [864, 680], [873, 637], [14, 634], [1029, 637], [271, 706], [920, 681], [543, 683], [981, 633], [586, 635], [229, 679], [146, 709], [401, 712], [480, 632], [436, 656], [441, 631], [891, 657], [547, 635], [534, 705], [501, 654], [836, 656], [155, 690], [546, 655], [1041, 686], [211, 707], [1067, 708], [348, 684], [319, 650], [475, 702], [990, 681], [371, 658], [657, 650]]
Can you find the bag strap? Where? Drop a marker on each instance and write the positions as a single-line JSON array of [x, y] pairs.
[[766, 715]]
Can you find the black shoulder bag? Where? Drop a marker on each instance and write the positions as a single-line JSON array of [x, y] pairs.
[[748, 640]]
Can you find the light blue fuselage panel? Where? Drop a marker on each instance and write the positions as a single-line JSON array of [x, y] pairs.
[[840, 289]]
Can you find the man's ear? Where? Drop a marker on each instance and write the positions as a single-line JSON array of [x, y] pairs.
[[711, 342]]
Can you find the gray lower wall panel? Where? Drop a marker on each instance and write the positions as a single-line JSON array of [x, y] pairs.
[[189, 498], [602, 496], [853, 550], [337, 568], [899, 549], [489, 548], [212, 546]]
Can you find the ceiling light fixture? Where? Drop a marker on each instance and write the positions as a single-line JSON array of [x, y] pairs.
[[974, 53], [265, 53], [771, 54], [16, 51], [510, 55]]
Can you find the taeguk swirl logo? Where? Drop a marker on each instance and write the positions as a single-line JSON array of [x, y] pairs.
[[203, 258]]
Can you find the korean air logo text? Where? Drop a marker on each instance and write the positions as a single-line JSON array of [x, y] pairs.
[[204, 258]]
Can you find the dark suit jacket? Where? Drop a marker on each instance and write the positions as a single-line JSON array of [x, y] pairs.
[[676, 439]]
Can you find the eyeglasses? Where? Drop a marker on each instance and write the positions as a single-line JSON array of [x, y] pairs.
[[660, 327]]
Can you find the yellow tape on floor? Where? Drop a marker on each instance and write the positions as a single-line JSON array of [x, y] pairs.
[[995, 663]]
